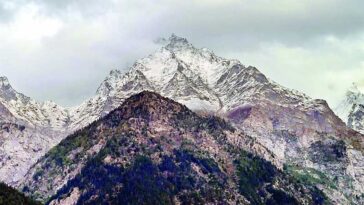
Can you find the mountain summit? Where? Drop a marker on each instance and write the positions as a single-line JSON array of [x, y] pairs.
[[4, 82], [177, 42]]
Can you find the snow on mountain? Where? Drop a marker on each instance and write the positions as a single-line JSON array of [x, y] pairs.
[[351, 109], [356, 118], [203, 81], [28, 111], [28, 129], [177, 70]]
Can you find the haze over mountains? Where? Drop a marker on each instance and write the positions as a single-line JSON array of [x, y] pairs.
[[293, 131]]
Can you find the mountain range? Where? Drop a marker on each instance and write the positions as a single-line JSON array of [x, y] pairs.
[[298, 136]]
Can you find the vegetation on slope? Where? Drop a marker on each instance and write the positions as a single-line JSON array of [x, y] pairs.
[[10, 196], [262, 183]]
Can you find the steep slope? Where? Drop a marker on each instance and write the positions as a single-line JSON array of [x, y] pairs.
[[152, 150], [301, 131], [20, 147], [28, 129], [351, 109]]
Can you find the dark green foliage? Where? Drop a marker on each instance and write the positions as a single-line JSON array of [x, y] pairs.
[[37, 174], [279, 197], [310, 178], [213, 124], [254, 173], [143, 182], [10, 196], [192, 122], [329, 150], [59, 154], [207, 165], [262, 183], [318, 196]]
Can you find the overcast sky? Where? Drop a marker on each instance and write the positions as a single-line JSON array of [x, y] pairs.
[[61, 50]]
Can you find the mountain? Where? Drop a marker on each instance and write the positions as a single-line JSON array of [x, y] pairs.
[[351, 109], [10, 196], [28, 129], [152, 150], [302, 133], [28, 111], [356, 118], [178, 70], [205, 82]]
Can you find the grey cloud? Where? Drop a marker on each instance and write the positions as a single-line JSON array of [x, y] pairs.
[[86, 8], [6, 14], [246, 25], [97, 36]]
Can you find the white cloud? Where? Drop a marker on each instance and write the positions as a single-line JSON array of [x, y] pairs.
[[29, 26]]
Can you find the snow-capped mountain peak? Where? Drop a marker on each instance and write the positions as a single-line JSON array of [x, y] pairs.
[[4, 82], [177, 43], [201, 61], [5, 86], [353, 96], [351, 108], [109, 84], [7, 93]]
